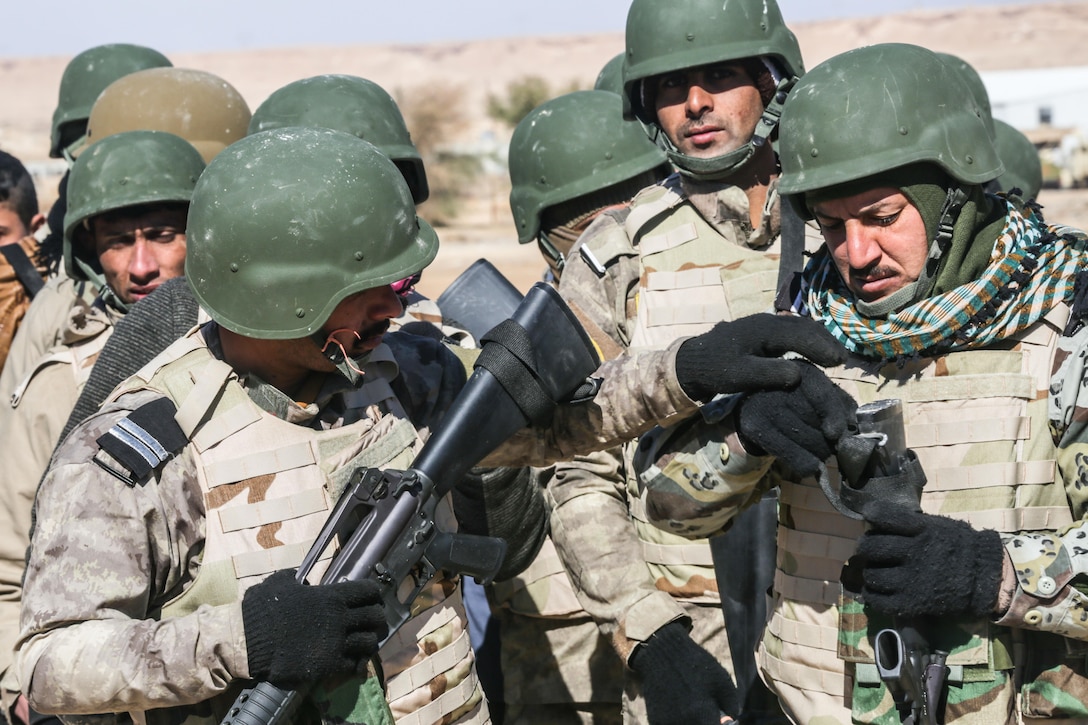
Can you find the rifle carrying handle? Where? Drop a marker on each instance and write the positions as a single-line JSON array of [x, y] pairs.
[[263, 704]]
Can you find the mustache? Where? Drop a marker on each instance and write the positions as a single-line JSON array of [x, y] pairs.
[[873, 271], [705, 120], [378, 328], [354, 337]]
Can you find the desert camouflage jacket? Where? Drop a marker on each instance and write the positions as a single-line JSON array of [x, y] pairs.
[[107, 556], [695, 481]]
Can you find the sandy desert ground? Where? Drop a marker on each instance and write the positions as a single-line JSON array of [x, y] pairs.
[[993, 38]]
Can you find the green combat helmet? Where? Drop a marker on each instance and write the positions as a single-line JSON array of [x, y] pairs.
[[979, 94], [125, 170], [572, 155], [857, 115], [299, 219], [200, 107], [1023, 168], [844, 121], [665, 37], [84, 78], [350, 104], [611, 76]]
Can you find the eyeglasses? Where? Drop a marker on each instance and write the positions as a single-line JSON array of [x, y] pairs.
[[405, 286]]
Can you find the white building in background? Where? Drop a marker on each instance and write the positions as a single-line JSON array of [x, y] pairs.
[[1050, 105], [1039, 96]]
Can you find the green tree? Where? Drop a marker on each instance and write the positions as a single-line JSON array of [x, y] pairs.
[[522, 95]]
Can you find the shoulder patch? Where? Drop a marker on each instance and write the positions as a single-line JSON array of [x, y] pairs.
[[141, 442]]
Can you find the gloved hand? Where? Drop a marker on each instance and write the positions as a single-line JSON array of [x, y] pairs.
[[682, 683], [799, 426], [744, 355], [297, 633], [917, 564]]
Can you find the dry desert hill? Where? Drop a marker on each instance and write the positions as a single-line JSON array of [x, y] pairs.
[[989, 37]]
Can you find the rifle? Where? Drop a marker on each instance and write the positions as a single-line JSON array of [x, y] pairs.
[[384, 521], [875, 463], [480, 298]]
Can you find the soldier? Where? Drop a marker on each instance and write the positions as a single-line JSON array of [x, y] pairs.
[[610, 77], [966, 307], [227, 404], [708, 80], [85, 76], [100, 285], [340, 102], [1023, 168], [570, 159], [197, 106], [201, 107], [125, 227], [364, 109], [22, 270]]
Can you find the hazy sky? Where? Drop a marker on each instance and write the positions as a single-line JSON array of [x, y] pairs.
[[68, 26]]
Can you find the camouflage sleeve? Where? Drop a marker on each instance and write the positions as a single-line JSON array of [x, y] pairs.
[[28, 433], [600, 549], [597, 289], [638, 391], [695, 476], [1049, 591], [105, 558]]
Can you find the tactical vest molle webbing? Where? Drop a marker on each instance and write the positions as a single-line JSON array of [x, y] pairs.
[[544, 589], [690, 277], [978, 422], [268, 486]]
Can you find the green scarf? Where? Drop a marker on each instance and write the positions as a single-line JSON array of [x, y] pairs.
[[1028, 269]]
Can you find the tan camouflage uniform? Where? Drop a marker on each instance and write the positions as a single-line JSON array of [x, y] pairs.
[[110, 623], [557, 667], [682, 257], [32, 415], [1000, 453]]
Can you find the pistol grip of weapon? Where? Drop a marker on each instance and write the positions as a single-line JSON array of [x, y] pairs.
[[892, 664], [478, 556], [263, 704]]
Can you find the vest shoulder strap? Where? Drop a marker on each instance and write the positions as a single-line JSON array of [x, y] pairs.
[[30, 278], [651, 203]]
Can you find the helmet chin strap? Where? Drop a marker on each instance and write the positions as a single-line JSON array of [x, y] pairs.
[[722, 167], [105, 292], [335, 352]]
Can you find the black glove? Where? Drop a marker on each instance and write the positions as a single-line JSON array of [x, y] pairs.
[[682, 683], [799, 426], [916, 564], [744, 355], [297, 633]]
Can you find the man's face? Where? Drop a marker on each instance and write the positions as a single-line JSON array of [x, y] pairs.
[[12, 228], [140, 249], [708, 110], [877, 239]]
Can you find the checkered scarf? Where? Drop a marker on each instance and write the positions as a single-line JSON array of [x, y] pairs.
[[1032, 268]]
